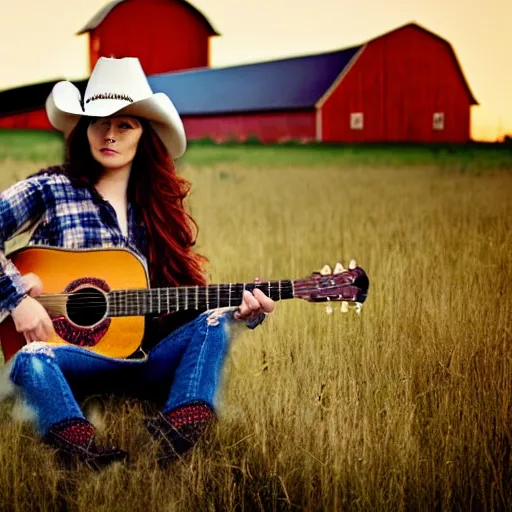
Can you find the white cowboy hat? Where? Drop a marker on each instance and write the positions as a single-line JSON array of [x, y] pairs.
[[117, 86]]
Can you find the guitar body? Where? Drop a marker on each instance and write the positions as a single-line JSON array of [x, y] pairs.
[[90, 273]]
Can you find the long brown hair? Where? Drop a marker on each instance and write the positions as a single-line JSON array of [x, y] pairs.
[[159, 194]]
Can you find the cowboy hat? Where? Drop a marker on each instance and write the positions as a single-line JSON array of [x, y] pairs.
[[117, 86]]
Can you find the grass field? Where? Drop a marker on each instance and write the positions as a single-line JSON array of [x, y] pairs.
[[407, 407]]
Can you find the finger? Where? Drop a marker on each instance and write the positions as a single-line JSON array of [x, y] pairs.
[[248, 306], [41, 333], [30, 336], [266, 303], [46, 332], [252, 302]]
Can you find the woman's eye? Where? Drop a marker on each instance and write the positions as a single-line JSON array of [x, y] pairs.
[[125, 125]]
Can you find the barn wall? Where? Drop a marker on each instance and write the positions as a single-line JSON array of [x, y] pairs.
[[175, 39], [266, 127], [398, 82], [36, 120]]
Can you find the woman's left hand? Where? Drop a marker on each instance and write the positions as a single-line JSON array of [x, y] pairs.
[[253, 304]]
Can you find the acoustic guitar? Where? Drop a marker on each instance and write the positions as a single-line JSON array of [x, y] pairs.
[[97, 298]]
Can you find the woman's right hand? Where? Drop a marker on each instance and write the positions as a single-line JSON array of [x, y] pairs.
[[29, 316]]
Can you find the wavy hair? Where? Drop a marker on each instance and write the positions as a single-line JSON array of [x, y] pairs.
[[159, 193]]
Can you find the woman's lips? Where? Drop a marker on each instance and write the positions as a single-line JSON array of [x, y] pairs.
[[108, 152]]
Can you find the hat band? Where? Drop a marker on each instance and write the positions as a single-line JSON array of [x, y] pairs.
[[109, 96]]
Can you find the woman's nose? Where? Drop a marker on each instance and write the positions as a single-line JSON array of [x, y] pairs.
[[110, 133]]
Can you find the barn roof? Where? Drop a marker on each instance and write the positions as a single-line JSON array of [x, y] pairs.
[[294, 83], [98, 18]]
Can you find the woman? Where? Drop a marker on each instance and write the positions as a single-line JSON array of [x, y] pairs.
[[118, 189]]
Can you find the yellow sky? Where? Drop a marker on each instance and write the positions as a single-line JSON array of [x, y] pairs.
[[37, 40]]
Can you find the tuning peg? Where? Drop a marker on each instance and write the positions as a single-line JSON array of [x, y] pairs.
[[326, 270], [344, 307], [328, 308], [352, 265], [339, 268], [358, 307]]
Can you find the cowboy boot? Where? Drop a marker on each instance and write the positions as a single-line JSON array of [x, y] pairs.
[[180, 429], [75, 440]]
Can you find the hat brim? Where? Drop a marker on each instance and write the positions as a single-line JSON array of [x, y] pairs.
[[64, 109]]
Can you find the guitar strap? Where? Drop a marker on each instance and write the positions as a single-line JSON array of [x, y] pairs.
[[22, 236]]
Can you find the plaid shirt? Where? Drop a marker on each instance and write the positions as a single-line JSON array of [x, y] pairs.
[[71, 215]]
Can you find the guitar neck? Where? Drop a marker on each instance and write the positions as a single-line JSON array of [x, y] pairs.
[[168, 300]]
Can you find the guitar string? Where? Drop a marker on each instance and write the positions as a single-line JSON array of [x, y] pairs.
[[133, 300], [145, 296], [143, 292], [134, 306], [213, 290], [150, 301], [147, 300]]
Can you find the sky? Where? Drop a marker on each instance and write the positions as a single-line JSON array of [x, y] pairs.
[[38, 41]]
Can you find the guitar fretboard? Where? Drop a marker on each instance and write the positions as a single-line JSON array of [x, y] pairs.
[[168, 300]]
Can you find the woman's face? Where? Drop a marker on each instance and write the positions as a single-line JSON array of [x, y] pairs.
[[114, 140]]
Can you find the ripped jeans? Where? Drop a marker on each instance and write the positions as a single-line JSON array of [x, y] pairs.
[[183, 367]]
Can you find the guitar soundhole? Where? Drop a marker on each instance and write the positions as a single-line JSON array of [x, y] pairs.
[[86, 306]]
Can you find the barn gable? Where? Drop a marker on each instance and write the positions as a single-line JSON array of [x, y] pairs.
[[449, 47], [405, 85], [98, 18]]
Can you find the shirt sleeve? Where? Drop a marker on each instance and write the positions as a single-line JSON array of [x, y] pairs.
[[20, 204], [254, 322]]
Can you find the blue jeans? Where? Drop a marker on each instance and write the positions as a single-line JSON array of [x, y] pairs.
[[184, 367]]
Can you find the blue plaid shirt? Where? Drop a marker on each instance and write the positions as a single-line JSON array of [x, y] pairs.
[[70, 215]]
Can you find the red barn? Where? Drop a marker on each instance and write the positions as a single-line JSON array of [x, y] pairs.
[[404, 86], [166, 35]]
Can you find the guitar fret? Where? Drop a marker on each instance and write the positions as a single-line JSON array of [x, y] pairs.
[[207, 298], [177, 300], [229, 296], [137, 297], [186, 298], [168, 307], [158, 292], [268, 293], [218, 295], [197, 297], [279, 290]]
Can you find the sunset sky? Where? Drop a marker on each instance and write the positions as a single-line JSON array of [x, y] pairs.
[[38, 42]]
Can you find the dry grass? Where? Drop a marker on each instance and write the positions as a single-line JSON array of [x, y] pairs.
[[406, 408]]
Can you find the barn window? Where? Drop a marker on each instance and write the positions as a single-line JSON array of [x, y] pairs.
[[356, 121], [438, 121]]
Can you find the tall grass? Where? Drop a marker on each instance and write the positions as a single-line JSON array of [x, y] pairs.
[[407, 407]]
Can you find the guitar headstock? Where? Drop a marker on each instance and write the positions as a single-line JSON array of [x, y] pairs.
[[348, 286]]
